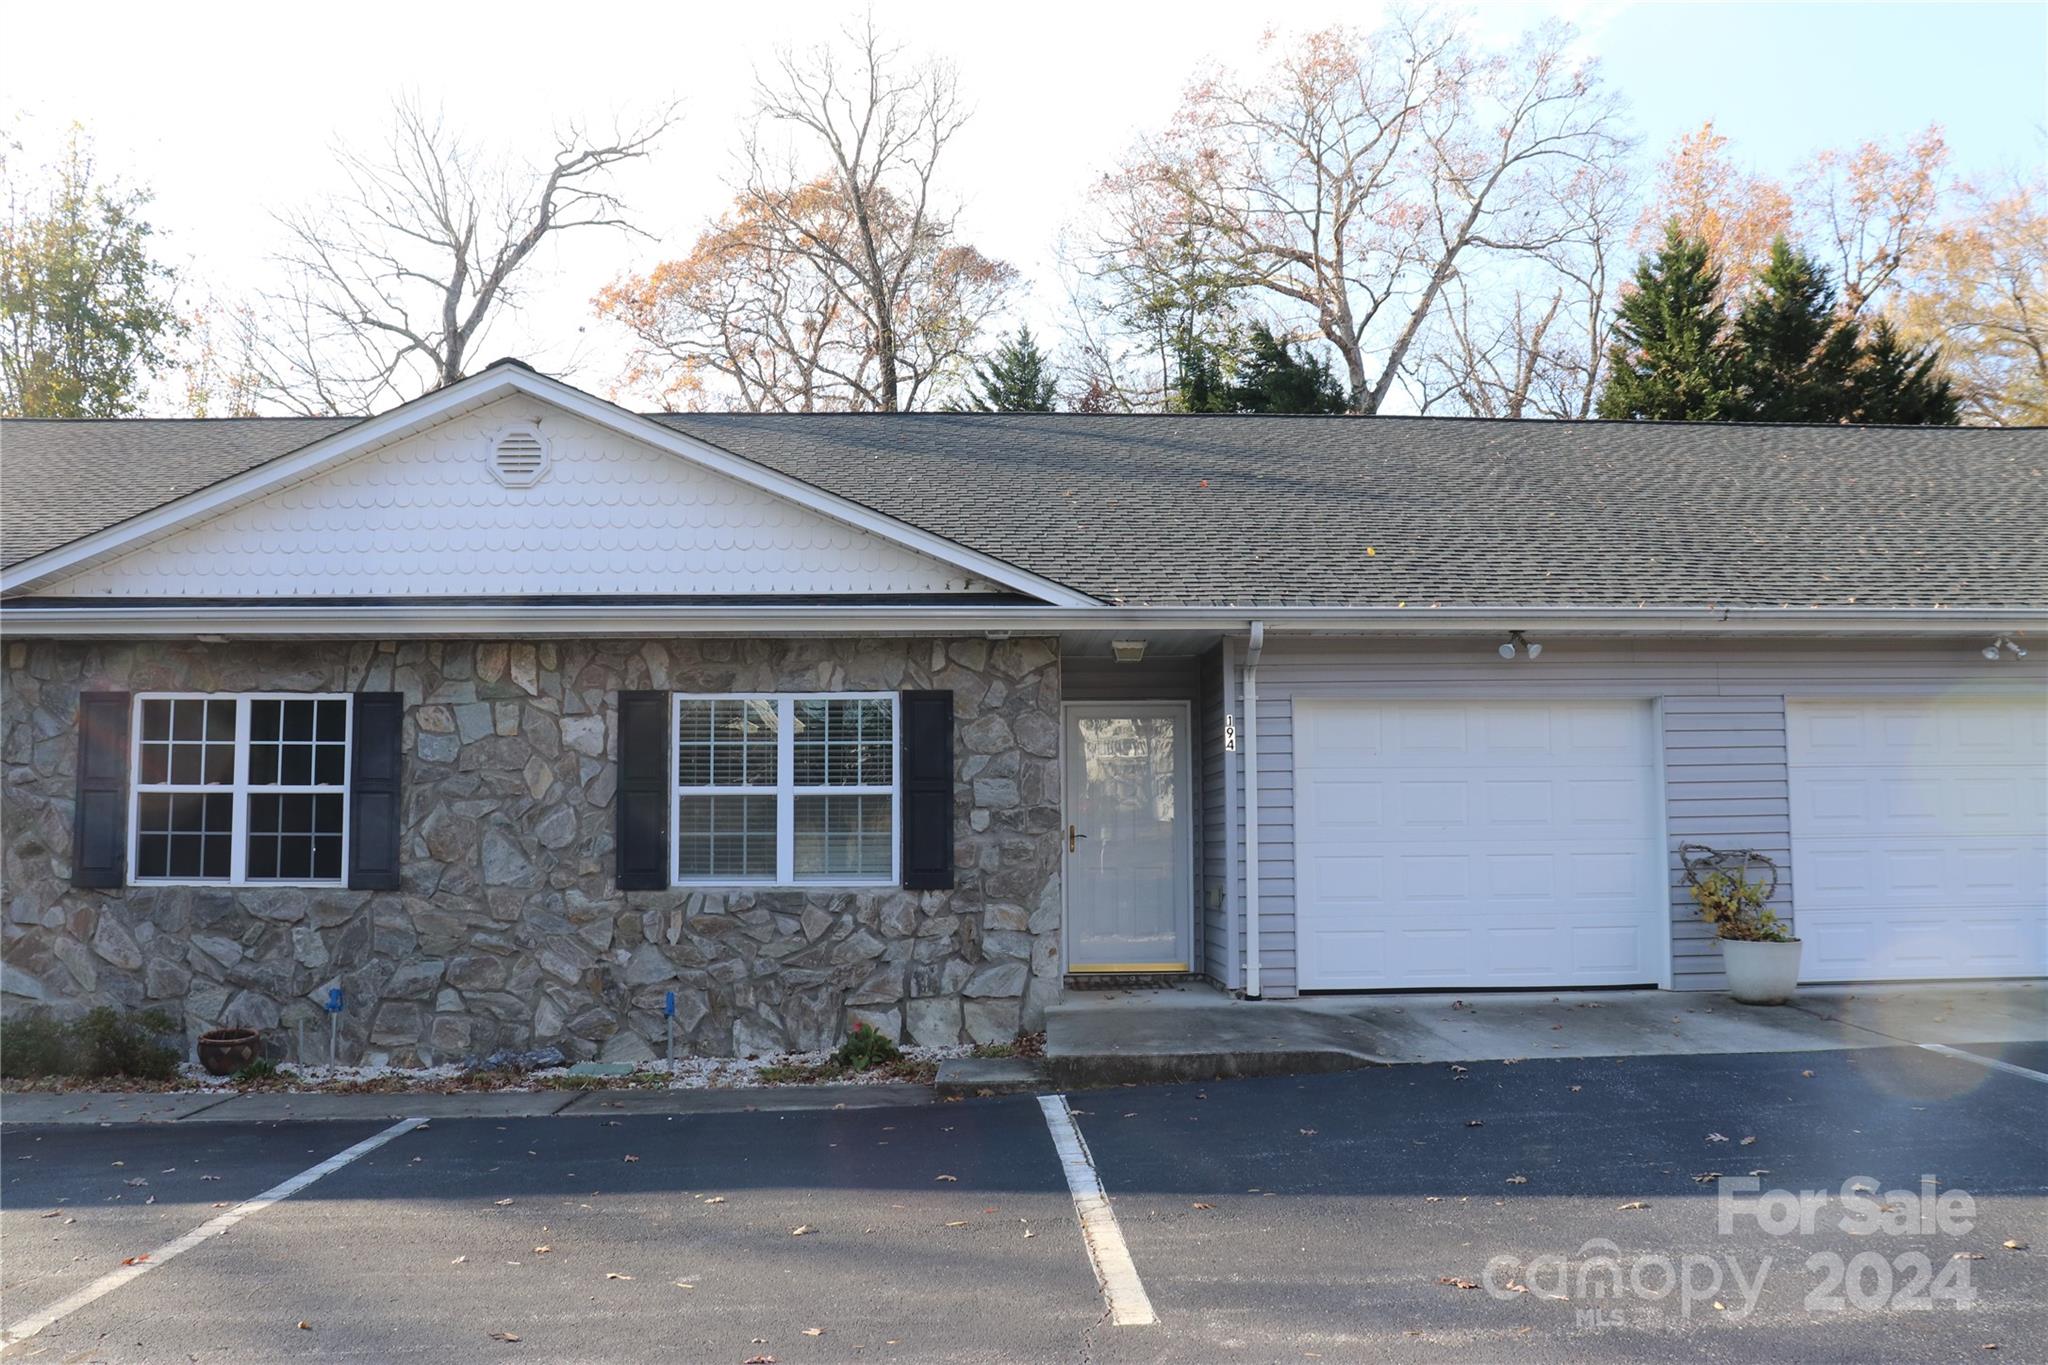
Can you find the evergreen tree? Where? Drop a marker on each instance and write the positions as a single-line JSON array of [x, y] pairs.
[[1901, 384], [85, 303], [1200, 384], [1796, 355], [1272, 377], [1669, 360], [1017, 378]]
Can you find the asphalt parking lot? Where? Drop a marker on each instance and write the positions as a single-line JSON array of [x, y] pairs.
[[1329, 1217]]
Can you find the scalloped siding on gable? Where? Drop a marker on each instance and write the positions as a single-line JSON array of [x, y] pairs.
[[425, 517]]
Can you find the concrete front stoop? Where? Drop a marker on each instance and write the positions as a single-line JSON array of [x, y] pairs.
[[1194, 1033]]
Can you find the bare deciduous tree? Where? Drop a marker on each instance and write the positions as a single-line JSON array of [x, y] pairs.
[[1874, 210], [1355, 180], [882, 124], [391, 285], [1530, 341]]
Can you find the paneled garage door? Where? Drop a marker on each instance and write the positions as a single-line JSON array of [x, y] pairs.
[[1919, 837], [1461, 844]]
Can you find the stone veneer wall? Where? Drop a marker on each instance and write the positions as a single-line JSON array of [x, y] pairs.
[[508, 930]]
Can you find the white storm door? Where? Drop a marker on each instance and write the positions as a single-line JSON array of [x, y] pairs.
[[1128, 837], [1919, 837], [1448, 845]]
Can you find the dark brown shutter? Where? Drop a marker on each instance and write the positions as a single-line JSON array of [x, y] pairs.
[[927, 755], [99, 820], [377, 738], [641, 809]]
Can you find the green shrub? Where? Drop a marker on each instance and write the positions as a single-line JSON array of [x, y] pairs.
[[867, 1046], [102, 1042], [34, 1043], [114, 1044], [262, 1069]]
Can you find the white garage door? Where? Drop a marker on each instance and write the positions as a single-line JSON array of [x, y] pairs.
[[1919, 838], [1460, 844]]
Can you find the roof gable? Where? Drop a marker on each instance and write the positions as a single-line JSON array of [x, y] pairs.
[[407, 505]]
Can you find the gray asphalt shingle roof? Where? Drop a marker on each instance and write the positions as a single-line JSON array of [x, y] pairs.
[[1281, 510], [60, 480], [1159, 510]]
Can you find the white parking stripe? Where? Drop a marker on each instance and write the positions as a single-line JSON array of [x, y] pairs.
[[107, 1284], [1991, 1062], [1122, 1290]]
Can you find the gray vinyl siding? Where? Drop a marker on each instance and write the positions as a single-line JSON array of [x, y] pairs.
[[1723, 734], [1213, 909], [1725, 785]]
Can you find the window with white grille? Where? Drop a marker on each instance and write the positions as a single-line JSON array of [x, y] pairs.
[[785, 790]]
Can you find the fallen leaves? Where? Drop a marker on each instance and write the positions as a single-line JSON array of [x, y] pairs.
[[2013, 1244], [802, 1230], [814, 1331], [1202, 1206], [1457, 1282], [1717, 1137], [954, 1178], [1518, 1180], [631, 1157], [1967, 1256], [1475, 1123], [1749, 1142], [1632, 1205], [615, 1275], [716, 1199], [542, 1251], [502, 1203], [458, 1260], [958, 1223], [135, 1260], [305, 1326], [504, 1336]]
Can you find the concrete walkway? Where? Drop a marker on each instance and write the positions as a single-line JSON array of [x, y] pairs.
[[1194, 1032]]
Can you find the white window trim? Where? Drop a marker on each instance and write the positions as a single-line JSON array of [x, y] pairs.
[[241, 790], [785, 791]]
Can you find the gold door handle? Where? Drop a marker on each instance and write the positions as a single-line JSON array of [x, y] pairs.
[[1072, 835]]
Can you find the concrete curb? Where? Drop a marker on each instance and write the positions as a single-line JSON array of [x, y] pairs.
[[106, 1108], [963, 1077]]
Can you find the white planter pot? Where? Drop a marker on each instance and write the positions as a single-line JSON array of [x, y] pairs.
[[1761, 973]]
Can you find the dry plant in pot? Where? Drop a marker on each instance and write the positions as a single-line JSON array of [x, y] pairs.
[[1733, 889]]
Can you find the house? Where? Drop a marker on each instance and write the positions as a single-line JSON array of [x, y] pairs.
[[509, 712]]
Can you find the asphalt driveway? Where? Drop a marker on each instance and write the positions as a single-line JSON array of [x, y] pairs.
[[1330, 1217]]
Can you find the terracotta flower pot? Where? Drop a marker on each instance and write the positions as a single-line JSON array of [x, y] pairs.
[[224, 1051]]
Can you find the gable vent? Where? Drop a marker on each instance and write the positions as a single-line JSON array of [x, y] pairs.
[[519, 457]]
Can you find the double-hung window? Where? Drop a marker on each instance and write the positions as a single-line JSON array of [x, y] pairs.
[[241, 790], [785, 790]]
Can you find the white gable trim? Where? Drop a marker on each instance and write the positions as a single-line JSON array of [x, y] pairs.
[[501, 381]]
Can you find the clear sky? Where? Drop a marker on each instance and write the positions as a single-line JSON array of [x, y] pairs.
[[227, 110]]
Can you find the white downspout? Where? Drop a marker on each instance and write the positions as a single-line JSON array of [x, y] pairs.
[[1251, 808]]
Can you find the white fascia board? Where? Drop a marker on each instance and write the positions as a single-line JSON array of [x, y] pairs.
[[424, 619], [487, 387]]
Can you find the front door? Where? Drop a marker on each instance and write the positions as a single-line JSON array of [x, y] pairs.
[[1129, 851]]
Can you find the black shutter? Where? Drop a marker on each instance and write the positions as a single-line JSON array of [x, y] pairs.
[[375, 760], [642, 803], [99, 820], [927, 754]]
